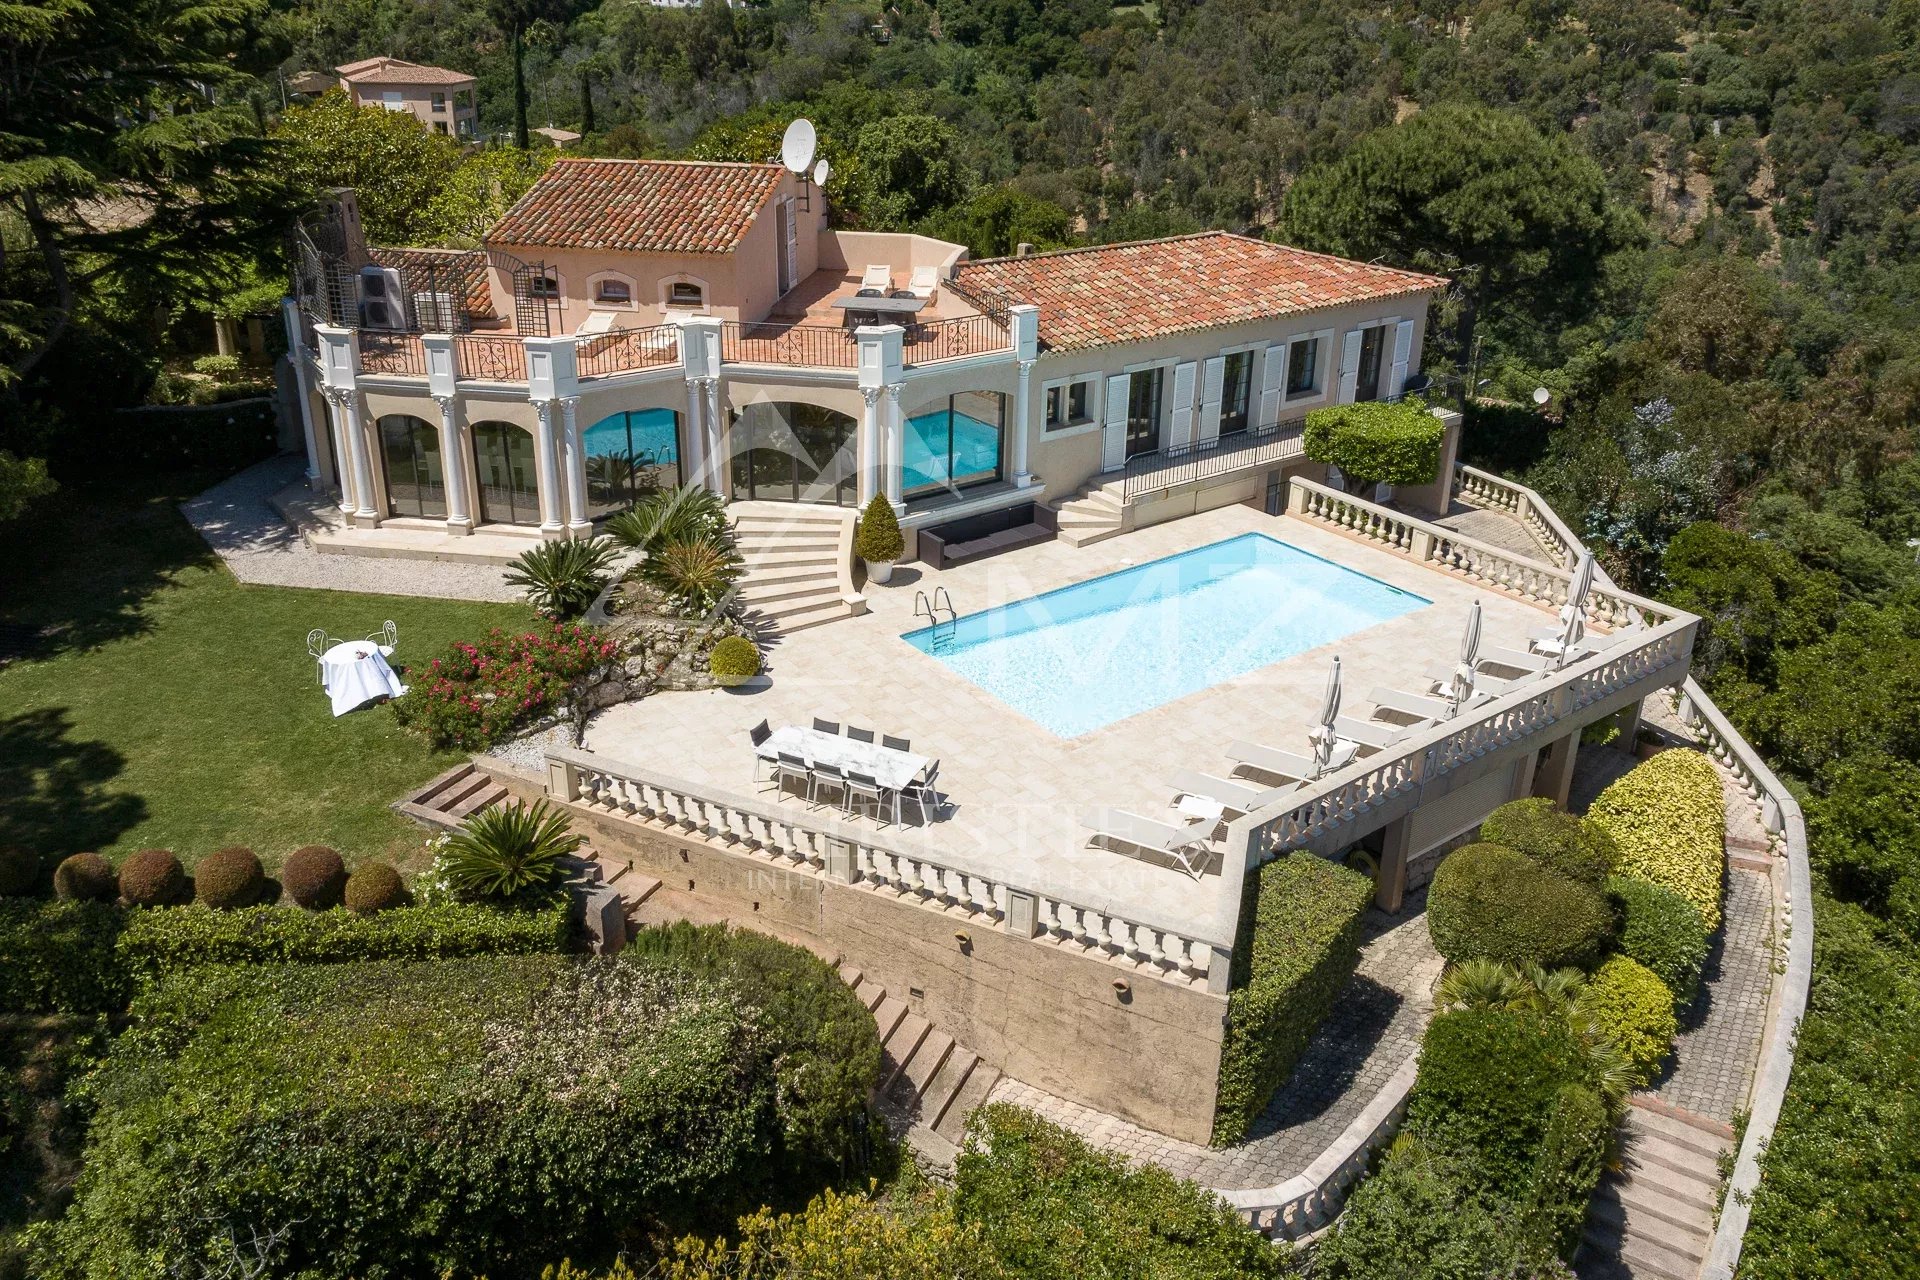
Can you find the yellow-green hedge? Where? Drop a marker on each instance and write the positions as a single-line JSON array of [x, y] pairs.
[[1628, 1003], [1670, 822]]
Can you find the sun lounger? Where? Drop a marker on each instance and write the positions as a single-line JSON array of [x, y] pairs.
[[1232, 797], [1287, 765], [876, 276], [924, 283], [1418, 705], [1441, 674], [1374, 733], [1187, 844]]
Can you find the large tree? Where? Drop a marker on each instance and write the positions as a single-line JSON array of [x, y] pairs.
[[516, 18], [1515, 218]]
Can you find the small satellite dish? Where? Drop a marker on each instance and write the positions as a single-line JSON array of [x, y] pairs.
[[820, 172], [796, 146], [1541, 395]]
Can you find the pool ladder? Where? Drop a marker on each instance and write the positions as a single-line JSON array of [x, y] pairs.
[[929, 608]]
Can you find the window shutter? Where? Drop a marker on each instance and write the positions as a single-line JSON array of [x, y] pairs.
[[1402, 353], [1212, 386], [1349, 367], [1180, 430], [1273, 377], [793, 248], [1113, 441]]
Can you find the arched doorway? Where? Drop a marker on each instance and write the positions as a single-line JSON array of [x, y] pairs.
[[503, 464], [789, 452], [630, 454], [416, 480]]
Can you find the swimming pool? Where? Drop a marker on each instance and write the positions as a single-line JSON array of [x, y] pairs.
[[1077, 659], [925, 458]]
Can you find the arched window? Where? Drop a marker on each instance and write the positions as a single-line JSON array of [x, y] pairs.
[[629, 454], [790, 452], [416, 481], [610, 289], [503, 462], [953, 443], [685, 293]]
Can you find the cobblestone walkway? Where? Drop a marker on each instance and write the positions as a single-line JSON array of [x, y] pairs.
[[1496, 528], [1373, 1029], [260, 547]]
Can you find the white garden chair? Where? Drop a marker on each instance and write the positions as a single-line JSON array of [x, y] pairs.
[[318, 642], [386, 637]]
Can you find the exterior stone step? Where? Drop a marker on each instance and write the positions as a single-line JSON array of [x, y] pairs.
[[941, 1091], [1646, 1260], [813, 616], [764, 594], [1638, 1200], [760, 523], [783, 557], [1653, 1150], [1646, 1217], [451, 798], [1075, 517], [1657, 1179], [904, 1040], [890, 1012], [1087, 537], [477, 798], [927, 1059], [1692, 1133], [972, 1092], [869, 993]]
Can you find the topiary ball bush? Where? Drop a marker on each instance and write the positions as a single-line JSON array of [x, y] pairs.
[[1634, 1009], [153, 878], [85, 877], [734, 661], [374, 886], [19, 872], [229, 878], [1558, 841], [1661, 930], [314, 877], [878, 540], [1495, 903]]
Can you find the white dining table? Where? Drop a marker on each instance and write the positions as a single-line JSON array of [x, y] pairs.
[[891, 768], [355, 672]]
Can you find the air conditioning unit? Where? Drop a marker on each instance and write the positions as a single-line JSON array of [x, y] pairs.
[[434, 312], [381, 304]]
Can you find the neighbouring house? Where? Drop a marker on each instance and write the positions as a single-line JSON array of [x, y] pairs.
[[438, 98], [700, 321]]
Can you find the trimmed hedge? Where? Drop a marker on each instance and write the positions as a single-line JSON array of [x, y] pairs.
[[1628, 1004], [59, 957], [1669, 819], [374, 887], [1495, 903], [1661, 930], [1377, 441], [153, 878], [1304, 944], [19, 871], [229, 878], [1567, 1169], [315, 877], [734, 661], [85, 877], [878, 539], [1558, 841]]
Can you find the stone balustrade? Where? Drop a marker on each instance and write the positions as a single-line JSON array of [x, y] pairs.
[[1496, 493], [853, 855]]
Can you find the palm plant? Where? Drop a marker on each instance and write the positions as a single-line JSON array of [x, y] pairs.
[[695, 573], [1489, 984], [506, 851], [672, 515], [1480, 984], [562, 578]]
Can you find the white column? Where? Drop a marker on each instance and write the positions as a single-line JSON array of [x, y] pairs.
[[896, 446], [546, 473], [346, 404], [870, 460], [453, 465], [1022, 416], [694, 461], [303, 384], [342, 458], [711, 430], [578, 525]]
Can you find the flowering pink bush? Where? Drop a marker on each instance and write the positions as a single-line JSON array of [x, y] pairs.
[[475, 694]]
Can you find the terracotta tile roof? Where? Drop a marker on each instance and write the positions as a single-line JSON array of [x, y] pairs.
[[469, 265], [640, 206], [394, 71], [1149, 288]]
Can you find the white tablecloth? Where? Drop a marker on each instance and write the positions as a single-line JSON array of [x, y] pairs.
[[355, 672], [891, 769]]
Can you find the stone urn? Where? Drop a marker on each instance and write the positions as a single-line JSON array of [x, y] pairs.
[[879, 571]]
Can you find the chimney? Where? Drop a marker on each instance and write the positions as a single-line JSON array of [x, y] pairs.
[[1023, 249]]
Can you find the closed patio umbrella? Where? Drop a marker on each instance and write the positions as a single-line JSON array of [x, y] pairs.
[[1462, 687], [1324, 734], [1573, 615]]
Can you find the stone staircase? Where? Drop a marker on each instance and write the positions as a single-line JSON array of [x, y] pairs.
[[929, 1085], [1093, 513], [797, 561], [452, 798], [1652, 1217]]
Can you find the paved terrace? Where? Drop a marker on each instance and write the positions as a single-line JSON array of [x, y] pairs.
[[1014, 786]]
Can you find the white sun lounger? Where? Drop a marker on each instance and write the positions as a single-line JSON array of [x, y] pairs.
[[1285, 764], [877, 276], [1232, 797], [1187, 843], [1441, 673], [924, 283], [1375, 733], [1419, 705]]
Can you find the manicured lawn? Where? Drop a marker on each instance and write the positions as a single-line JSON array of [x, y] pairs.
[[168, 705]]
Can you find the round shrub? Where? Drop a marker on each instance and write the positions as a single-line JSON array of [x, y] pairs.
[[1669, 819], [85, 877], [1376, 442], [229, 878], [1559, 841], [878, 539], [153, 878], [734, 661], [19, 872], [315, 877], [374, 886], [1661, 930], [1494, 903], [1630, 1006]]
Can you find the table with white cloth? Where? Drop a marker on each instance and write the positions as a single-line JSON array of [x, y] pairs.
[[893, 769], [355, 672]]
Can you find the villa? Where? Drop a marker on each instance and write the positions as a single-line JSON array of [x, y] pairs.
[[438, 98]]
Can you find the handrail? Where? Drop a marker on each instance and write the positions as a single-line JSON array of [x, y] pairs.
[[625, 350], [814, 346], [395, 354], [955, 338], [1526, 506], [1781, 815], [1175, 465], [854, 855]]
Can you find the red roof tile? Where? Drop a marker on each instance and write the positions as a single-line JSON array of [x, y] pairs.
[[640, 206], [1149, 288], [394, 71]]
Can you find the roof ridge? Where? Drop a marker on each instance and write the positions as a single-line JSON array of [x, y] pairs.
[[689, 163], [1101, 248]]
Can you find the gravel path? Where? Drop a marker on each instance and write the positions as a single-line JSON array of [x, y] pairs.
[[260, 547]]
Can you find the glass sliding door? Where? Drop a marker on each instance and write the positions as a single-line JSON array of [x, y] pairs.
[[416, 482], [953, 444], [786, 452], [503, 463], [1236, 393], [1367, 385], [1143, 411], [629, 455]]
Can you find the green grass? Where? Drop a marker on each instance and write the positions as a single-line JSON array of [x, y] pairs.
[[168, 705]]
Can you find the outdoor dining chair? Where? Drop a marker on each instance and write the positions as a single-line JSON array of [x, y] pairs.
[[828, 777], [859, 735], [922, 792], [863, 786], [318, 642], [825, 726], [759, 733], [892, 743], [386, 637], [791, 768]]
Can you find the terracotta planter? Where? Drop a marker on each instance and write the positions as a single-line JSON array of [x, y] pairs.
[[879, 572]]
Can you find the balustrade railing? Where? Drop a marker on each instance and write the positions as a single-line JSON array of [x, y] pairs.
[[1163, 469], [853, 855], [628, 350], [774, 342], [394, 354], [954, 339], [490, 357], [1496, 493]]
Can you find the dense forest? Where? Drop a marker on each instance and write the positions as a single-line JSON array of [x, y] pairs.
[[1696, 225]]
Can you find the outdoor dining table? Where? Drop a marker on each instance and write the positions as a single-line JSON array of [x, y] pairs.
[[355, 672], [893, 770], [883, 306]]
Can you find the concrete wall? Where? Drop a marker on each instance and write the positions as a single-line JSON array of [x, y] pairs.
[[1044, 1014]]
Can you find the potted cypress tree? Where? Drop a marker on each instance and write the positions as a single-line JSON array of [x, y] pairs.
[[878, 540]]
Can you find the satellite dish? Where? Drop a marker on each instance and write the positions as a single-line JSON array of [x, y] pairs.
[[796, 146], [820, 172], [1541, 395]]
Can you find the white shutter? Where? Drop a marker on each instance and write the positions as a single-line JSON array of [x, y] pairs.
[[793, 248], [1273, 377], [1180, 430], [1212, 383], [1113, 451], [1402, 353], [1349, 367]]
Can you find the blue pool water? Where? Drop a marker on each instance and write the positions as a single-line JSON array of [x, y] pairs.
[[1084, 656], [654, 435], [976, 449]]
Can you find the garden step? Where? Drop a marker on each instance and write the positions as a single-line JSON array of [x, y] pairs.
[[1651, 1217], [926, 1061], [487, 793], [756, 558], [637, 888], [823, 546], [1698, 1133], [850, 975], [790, 573], [1080, 517], [888, 1014], [786, 519], [1657, 1179], [437, 789], [756, 592], [904, 1040], [1649, 1149], [972, 1092], [870, 993], [1645, 1260], [937, 1098], [800, 620], [1088, 536]]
